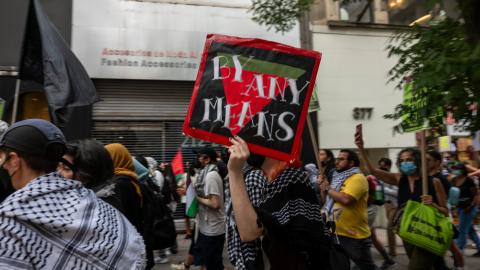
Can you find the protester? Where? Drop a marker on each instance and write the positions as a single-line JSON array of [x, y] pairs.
[[328, 163], [374, 202], [278, 203], [208, 247], [127, 186], [467, 208], [434, 166], [93, 167], [347, 201], [391, 193], [51, 222], [192, 172], [410, 188]]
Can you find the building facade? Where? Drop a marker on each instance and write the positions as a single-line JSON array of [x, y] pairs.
[[143, 58], [352, 80]]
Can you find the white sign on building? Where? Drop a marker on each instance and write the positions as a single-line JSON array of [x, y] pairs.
[[157, 39]]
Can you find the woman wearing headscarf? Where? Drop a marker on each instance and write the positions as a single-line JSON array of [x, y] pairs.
[[126, 182]]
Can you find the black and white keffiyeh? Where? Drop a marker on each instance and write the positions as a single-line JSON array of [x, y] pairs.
[[288, 203], [243, 255], [54, 223], [337, 181]]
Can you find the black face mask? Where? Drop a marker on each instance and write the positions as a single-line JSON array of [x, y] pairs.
[[255, 160], [6, 187]]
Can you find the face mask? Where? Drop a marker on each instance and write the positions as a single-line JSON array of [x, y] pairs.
[[408, 167]]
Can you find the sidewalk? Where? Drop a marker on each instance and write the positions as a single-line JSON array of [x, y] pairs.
[[471, 263]]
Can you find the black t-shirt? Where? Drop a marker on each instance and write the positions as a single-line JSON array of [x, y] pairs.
[[404, 193], [446, 185], [467, 193]]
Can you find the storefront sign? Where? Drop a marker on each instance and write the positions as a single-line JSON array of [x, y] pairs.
[[256, 89], [122, 39]]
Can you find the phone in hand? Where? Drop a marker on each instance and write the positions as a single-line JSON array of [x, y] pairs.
[[359, 130]]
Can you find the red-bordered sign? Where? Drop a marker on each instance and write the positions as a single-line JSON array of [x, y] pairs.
[[252, 88]]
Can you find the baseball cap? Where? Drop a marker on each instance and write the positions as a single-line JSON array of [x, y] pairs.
[[35, 137]]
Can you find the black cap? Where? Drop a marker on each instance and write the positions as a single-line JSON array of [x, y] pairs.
[[208, 151], [36, 137]]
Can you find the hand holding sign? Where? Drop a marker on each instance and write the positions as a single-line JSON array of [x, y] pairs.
[[255, 89], [239, 154]]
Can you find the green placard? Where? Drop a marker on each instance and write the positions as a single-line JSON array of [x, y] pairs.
[[416, 119], [2, 108], [314, 104]]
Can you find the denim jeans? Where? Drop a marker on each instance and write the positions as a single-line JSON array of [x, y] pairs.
[[465, 227]]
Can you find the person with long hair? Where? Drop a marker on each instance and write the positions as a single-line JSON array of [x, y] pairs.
[[410, 185]]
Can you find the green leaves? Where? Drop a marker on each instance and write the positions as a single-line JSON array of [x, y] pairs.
[[444, 67], [282, 15]]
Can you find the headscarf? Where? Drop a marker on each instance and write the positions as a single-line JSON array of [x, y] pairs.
[[122, 160], [140, 170], [123, 163]]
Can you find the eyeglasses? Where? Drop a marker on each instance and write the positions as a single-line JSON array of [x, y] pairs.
[[341, 159]]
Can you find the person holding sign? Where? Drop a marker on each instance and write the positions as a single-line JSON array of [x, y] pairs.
[[410, 188], [285, 212]]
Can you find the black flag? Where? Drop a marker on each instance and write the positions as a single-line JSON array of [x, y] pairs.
[[47, 59]]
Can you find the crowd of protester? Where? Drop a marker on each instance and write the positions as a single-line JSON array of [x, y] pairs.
[[82, 203]]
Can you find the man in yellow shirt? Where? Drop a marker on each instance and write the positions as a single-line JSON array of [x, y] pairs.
[[347, 199]]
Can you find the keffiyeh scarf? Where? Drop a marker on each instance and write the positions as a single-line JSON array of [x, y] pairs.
[[54, 223], [338, 179]]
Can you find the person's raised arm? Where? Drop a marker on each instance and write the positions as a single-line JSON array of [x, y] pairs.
[[245, 215], [387, 177]]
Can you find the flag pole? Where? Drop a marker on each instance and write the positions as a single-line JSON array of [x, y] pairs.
[[15, 101], [423, 149], [314, 142]]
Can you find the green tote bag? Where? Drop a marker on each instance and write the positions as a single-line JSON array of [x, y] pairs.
[[425, 227]]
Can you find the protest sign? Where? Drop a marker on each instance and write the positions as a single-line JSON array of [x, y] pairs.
[[416, 106], [445, 144], [252, 88], [2, 108]]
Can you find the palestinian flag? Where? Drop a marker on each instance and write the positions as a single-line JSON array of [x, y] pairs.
[[256, 89], [177, 165], [191, 207]]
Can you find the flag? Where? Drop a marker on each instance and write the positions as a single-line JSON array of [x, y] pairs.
[[177, 165], [47, 59], [191, 207]]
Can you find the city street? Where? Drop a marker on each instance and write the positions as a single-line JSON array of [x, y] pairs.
[[471, 263]]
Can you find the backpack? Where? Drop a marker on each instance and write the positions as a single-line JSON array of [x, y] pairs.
[[376, 191], [158, 220]]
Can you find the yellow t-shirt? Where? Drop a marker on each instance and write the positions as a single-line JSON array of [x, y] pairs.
[[352, 220]]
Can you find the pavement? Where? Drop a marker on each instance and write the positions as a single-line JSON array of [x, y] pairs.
[[471, 263]]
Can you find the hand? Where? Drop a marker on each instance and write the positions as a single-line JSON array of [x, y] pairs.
[[324, 185], [427, 199], [239, 154], [320, 179], [181, 191]]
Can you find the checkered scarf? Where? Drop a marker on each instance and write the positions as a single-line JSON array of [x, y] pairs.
[[54, 223], [338, 179]]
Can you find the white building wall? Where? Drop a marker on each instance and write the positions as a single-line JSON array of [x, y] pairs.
[[353, 73]]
